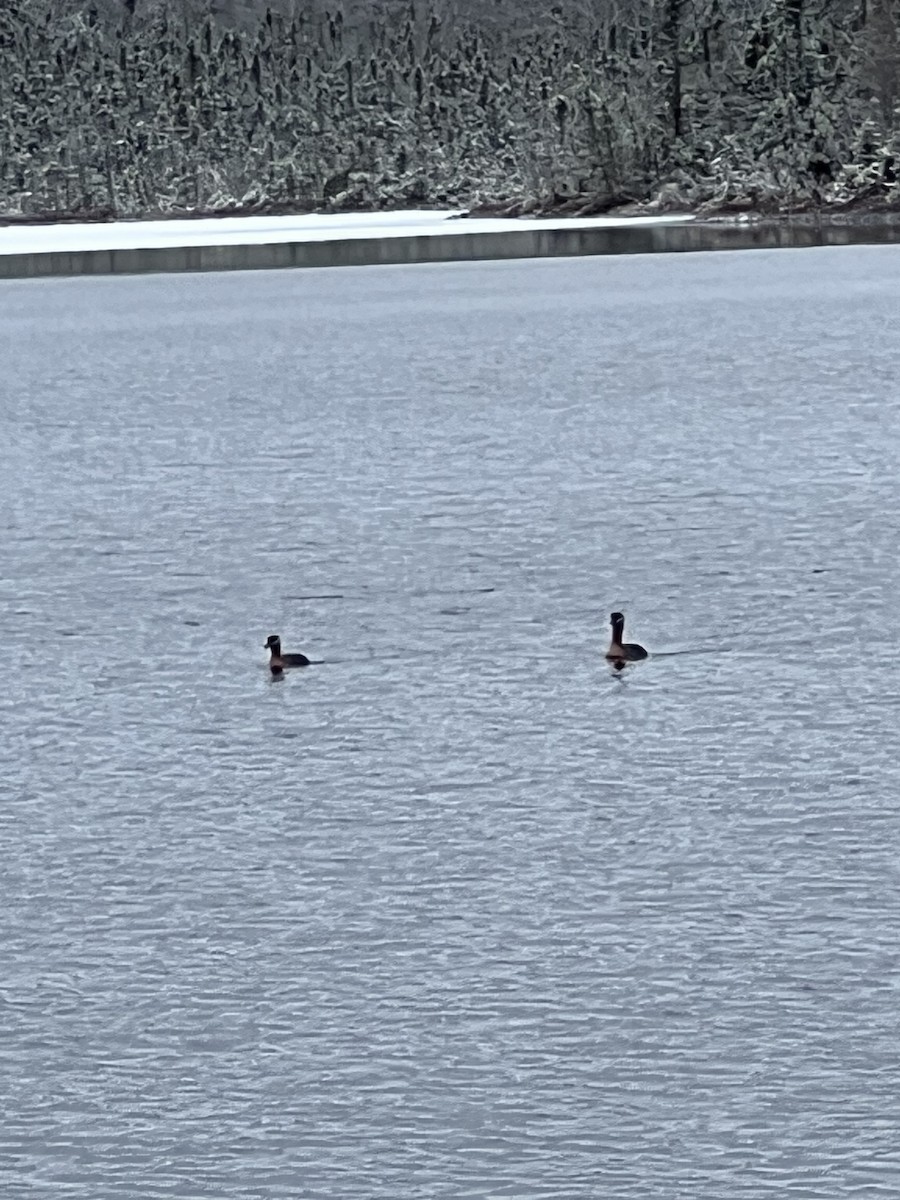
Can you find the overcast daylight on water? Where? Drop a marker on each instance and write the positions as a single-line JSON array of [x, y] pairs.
[[459, 911]]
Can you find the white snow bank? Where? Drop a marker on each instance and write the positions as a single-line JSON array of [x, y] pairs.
[[226, 231]]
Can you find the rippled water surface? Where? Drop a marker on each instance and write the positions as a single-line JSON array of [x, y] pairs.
[[459, 912]]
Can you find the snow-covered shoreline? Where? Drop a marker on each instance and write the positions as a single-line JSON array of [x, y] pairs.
[[316, 240], [386, 238], [309, 227]]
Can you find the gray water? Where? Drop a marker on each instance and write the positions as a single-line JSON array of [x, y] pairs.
[[460, 912]]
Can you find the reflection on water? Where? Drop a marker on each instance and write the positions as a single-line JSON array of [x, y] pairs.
[[462, 909]]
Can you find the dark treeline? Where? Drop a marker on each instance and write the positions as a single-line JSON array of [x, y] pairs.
[[135, 106]]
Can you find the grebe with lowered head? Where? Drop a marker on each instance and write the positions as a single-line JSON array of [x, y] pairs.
[[279, 660], [620, 651]]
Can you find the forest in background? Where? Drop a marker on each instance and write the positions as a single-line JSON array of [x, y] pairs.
[[131, 107]]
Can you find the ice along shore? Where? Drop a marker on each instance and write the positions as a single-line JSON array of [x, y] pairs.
[[364, 239]]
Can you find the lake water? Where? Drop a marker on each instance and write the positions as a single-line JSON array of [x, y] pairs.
[[460, 912]]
